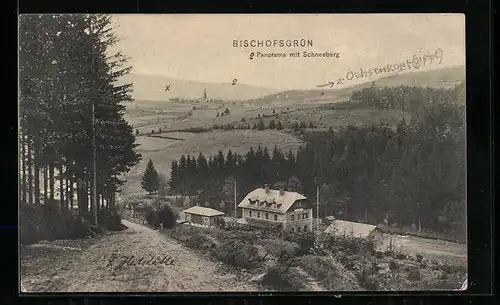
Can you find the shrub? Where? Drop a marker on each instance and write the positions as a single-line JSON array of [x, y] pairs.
[[167, 217], [284, 279], [414, 274], [304, 240], [110, 220], [393, 265], [48, 222], [332, 274], [419, 257], [348, 244], [237, 253], [278, 247]]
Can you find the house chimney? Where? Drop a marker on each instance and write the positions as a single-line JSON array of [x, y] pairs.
[[282, 192], [266, 187]]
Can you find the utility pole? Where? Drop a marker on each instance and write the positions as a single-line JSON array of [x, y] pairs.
[[317, 208], [235, 215]]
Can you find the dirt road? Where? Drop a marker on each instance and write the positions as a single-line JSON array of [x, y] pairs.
[[135, 260]]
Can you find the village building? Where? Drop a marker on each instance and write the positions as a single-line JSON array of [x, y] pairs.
[[264, 207], [202, 216], [356, 230]]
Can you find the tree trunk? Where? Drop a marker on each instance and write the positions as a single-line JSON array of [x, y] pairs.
[[61, 185], [30, 171], [37, 169], [71, 191], [88, 190], [23, 167], [68, 195], [45, 184], [51, 181], [81, 190]]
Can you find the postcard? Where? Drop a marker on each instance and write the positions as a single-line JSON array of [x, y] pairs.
[[224, 153]]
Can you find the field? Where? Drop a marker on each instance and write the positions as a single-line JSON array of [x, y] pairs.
[[324, 117], [175, 118], [439, 250]]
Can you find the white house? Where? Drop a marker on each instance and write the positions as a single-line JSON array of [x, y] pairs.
[[269, 208]]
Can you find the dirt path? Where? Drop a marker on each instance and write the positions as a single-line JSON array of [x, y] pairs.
[[167, 266]]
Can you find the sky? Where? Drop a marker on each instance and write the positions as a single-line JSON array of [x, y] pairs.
[[200, 47]]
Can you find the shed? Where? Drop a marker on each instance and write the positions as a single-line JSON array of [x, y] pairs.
[[356, 230], [202, 216]]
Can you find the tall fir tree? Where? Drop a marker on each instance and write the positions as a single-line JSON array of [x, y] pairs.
[[150, 179]]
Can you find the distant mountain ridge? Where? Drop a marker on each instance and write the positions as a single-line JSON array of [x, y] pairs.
[[444, 77], [152, 88]]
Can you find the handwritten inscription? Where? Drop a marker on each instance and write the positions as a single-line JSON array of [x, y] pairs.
[[416, 62], [167, 87], [234, 81], [119, 261], [283, 258]]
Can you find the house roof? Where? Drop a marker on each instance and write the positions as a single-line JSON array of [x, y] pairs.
[[203, 211], [349, 228], [283, 202]]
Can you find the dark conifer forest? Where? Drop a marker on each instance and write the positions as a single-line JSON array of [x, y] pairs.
[[70, 104]]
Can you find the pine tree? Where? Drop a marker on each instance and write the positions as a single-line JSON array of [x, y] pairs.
[[150, 179], [279, 126], [260, 125]]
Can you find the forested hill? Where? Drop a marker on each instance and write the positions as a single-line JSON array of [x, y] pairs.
[[446, 78]]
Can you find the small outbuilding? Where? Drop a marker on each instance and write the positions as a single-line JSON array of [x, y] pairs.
[[356, 230], [202, 216]]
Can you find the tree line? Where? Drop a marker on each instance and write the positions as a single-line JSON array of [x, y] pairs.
[[412, 99], [68, 72], [409, 174]]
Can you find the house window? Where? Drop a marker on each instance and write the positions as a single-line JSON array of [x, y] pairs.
[[276, 217], [250, 213], [258, 214], [293, 217], [305, 228], [267, 216], [305, 216]]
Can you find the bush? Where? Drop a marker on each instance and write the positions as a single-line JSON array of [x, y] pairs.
[[414, 274], [332, 274], [393, 265], [348, 244], [278, 247], [304, 240], [167, 217], [419, 257], [238, 253], [193, 238], [110, 220], [282, 278], [48, 222]]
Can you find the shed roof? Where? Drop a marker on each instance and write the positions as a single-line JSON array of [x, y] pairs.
[[349, 228], [203, 211]]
